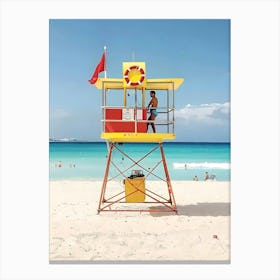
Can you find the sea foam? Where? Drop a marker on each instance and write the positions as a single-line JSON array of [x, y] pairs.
[[201, 165]]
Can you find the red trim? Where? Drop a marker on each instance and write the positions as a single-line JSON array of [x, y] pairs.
[[134, 83]]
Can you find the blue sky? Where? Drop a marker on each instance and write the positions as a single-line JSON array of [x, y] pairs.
[[196, 50]]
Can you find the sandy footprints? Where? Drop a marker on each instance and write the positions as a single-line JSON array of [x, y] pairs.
[[86, 242], [63, 248], [73, 246], [55, 244]]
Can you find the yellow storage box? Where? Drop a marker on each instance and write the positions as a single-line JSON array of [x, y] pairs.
[[132, 184]]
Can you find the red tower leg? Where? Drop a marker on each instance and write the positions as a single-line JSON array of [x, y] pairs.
[[170, 191], [105, 176]]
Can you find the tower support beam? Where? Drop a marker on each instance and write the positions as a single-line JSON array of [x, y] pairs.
[[115, 201]]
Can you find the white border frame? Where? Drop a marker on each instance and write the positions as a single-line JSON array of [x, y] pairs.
[[255, 137]]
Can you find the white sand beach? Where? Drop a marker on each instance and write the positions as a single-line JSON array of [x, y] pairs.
[[200, 231]]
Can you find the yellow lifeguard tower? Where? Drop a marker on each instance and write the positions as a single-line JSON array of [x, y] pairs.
[[128, 123]]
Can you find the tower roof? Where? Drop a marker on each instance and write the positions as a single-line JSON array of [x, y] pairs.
[[155, 84]]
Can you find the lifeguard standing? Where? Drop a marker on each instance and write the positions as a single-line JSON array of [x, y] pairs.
[[123, 123]]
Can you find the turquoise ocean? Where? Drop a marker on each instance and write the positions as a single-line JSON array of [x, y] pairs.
[[87, 160]]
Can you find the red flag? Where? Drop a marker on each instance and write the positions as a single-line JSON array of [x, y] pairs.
[[99, 68]]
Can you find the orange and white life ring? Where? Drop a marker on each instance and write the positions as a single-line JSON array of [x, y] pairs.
[[141, 75]]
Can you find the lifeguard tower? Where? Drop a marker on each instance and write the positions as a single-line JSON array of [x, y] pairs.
[[125, 121]]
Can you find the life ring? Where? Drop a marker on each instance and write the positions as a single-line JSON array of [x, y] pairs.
[[141, 74]]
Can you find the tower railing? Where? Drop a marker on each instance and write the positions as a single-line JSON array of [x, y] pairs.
[[165, 118]]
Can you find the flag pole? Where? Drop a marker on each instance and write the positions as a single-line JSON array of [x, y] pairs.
[[105, 72]]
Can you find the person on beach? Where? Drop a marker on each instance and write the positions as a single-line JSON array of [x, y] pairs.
[[153, 112], [195, 178], [206, 176]]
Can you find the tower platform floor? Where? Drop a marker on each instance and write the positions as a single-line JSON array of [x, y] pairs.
[[137, 137]]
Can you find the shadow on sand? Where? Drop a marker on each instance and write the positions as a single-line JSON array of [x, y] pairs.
[[199, 209]]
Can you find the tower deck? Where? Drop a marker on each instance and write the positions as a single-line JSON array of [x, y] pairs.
[[137, 137]]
